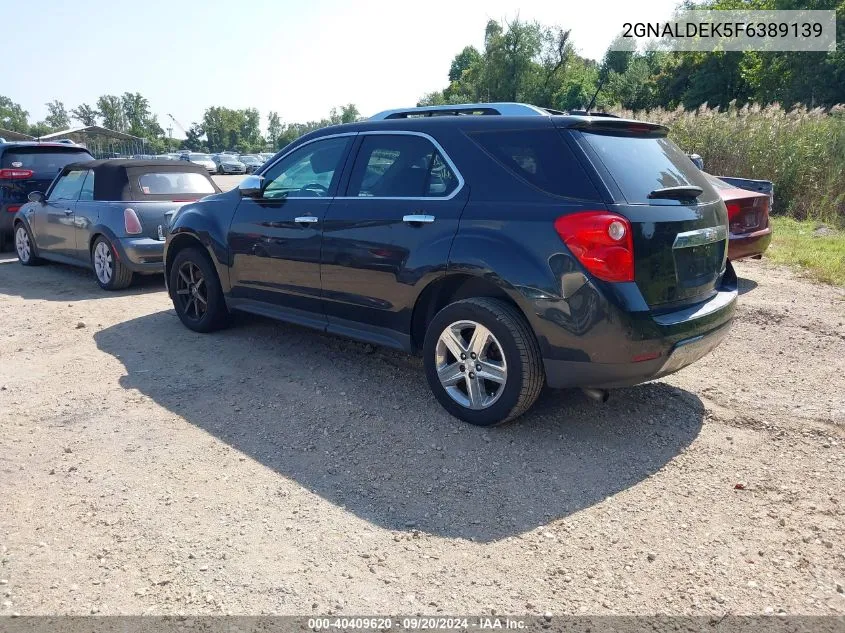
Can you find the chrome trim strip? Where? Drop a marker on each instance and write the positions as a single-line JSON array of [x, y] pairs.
[[700, 237]]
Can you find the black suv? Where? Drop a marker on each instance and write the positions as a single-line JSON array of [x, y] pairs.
[[29, 166], [511, 246]]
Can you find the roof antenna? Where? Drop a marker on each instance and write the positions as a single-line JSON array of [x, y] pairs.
[[602, 76]]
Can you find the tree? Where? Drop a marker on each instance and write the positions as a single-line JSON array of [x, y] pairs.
[[194, 138], [110, 109], [57, 117], [274, 129], [139, 120], [85, 114], [347, 114], [12, 116], [464, 60], [228, 129]]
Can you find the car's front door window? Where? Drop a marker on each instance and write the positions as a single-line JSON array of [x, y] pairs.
[[308, 172], [69, 186]]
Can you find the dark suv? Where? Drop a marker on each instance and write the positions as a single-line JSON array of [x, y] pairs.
[[511, 246], [26, 167]]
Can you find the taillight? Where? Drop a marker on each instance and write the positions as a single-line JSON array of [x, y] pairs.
[[16, 174], [131, 222], [733, 210], [13, 208], [601, 241]]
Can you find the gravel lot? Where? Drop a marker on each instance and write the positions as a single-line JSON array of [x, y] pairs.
[[271, 469]]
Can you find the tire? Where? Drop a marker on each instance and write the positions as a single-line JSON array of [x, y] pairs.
[[186, 292], [109, 271], [512, 348], [25, 246]]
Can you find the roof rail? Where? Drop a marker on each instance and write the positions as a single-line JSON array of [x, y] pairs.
[[462, 109]]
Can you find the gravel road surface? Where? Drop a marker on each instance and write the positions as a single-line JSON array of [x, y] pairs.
[[271, 469]]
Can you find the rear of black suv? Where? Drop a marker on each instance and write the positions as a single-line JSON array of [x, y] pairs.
[[643, 286], [26, 167]]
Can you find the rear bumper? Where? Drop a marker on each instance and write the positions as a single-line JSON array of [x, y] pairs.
[[561, 373], [141, 254], [631, 348], [742, 245]]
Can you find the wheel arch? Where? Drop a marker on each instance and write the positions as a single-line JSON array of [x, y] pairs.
[[177, 244], [454, 287]]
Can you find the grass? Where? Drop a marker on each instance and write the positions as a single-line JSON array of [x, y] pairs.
[[794, 243], [802, 151]]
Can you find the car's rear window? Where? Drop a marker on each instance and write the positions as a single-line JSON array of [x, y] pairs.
[[640, 164], [541, 157], [44, 162], [174, 183]]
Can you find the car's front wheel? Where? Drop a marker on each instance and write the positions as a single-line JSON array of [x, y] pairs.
[[111, 273], [482, 361], [196, 293]]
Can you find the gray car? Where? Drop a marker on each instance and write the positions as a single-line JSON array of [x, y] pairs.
[[108, 215], [228, 164]]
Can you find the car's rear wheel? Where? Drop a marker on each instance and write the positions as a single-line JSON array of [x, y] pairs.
[[24, 246], [110, 272], [196, 292], [482, 361]]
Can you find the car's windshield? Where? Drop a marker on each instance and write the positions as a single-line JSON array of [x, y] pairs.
[[249, 159], [199, 156], [155, 184]]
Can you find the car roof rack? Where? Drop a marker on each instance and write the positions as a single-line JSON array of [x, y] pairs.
[[479, 109], [464, 109]]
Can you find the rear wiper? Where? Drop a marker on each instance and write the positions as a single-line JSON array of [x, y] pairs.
[[677, 193]]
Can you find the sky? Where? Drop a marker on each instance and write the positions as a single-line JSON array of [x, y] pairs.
[[298, 58]]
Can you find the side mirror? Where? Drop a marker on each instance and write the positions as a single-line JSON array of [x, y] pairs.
[[250, 187], [35, 196], [697, 160]]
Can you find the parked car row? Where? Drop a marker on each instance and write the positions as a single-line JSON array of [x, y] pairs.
[[511, 251]]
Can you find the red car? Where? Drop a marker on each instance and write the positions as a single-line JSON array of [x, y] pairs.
[[748, 219]]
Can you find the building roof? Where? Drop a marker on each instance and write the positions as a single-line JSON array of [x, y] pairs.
[[10, 135], [92, 130]]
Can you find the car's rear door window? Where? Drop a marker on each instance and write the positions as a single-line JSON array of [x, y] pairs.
[[69, 186], [87, 192], [540, 157], [642, 164], [400, 166], [174, 183]]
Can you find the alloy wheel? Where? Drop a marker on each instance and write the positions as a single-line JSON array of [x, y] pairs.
[[22, 244], [471, 364], [192, 291], [103, 262]]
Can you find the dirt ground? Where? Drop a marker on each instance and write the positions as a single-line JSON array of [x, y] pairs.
[[270, 469]]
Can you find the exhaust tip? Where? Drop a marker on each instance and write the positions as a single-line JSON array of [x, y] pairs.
[[598, 395]]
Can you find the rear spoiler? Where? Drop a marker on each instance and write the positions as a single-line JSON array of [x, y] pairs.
[[622, 127]]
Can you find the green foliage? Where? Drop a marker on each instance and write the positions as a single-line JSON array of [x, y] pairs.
[[12, 116], [802, 151], [110, 109], [820, 253], [57, 117], [228, 129], [85, 114], [274, 129]]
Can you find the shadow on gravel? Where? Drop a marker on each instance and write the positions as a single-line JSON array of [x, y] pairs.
[[358, 426], [61, 282], [745, 285]]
